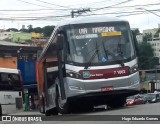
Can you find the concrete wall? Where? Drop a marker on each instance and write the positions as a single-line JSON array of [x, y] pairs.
[[6, 35]]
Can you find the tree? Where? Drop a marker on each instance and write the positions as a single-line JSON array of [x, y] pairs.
[[47, 30], [37, 30], [147, 36], [12, 29], [30, 28], [23, 30], [146, 57], [136, 31]]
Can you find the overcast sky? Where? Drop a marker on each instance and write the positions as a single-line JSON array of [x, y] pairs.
[[47, 12]]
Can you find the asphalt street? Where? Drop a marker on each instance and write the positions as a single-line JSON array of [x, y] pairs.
[[101, 116]]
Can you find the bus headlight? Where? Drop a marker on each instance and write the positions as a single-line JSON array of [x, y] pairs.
[[153, 100], [73, 74], [134, 69]]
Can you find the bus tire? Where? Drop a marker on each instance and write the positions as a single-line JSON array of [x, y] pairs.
[[61, 108], [0, 110], [54, 111], [117, 103], [48, 113]]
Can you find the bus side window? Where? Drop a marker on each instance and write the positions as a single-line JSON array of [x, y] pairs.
[[5, 82], [16, 82]]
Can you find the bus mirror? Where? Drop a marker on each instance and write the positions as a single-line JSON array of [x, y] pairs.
[[60, 42], [135, 41]]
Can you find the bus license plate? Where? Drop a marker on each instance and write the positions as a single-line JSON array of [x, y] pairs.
[[106, 89]]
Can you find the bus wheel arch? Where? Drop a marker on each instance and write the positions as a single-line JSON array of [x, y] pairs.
[[62, 108]]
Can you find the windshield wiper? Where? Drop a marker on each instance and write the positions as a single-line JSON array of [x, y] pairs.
[[113, 56], [121, 54], [89, 62]]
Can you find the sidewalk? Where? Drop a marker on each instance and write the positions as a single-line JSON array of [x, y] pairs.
[[22, 112]]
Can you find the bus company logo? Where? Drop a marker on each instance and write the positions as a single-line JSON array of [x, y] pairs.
[[86, 74], [6, 118]]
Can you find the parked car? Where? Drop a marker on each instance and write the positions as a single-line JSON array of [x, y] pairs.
[[153, 97], [144, 97], [134, 100]]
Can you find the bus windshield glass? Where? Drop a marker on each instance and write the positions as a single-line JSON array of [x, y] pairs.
[[99, 43], [10, 82]]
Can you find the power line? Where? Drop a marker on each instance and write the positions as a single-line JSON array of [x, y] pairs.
[[149, 11], [131, 14], [96, 9], [33, 17], [54, 4], [82, 11], [67, 9], [154, 4], [33, 4], [31, 9], [128, 13], [113, 13], [88, 3]]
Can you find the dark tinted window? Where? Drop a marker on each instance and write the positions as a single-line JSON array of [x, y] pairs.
[[51, 76], [9, 82]]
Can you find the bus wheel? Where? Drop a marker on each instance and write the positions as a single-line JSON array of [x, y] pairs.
[[117, 103], [62, 108], [48, 113], [54, 111]]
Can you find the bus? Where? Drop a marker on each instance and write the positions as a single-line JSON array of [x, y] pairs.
[[11, 91], [88, 61]]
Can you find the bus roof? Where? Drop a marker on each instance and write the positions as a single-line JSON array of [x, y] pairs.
[[89, 19], [8, 70]]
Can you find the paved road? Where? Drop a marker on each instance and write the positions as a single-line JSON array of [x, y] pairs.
[[92, 117]]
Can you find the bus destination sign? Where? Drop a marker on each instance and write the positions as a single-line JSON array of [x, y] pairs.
[[95, 32]]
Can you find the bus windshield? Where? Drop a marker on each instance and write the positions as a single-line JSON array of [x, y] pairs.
[[99, 43], [10, 82]]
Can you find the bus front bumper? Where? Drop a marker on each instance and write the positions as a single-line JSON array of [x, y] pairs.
[[128, 86]]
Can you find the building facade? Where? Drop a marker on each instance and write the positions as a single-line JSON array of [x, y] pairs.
[[155, 43], [150, 31], [6, 35]]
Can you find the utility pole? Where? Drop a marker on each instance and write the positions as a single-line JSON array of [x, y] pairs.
[[80, 11]]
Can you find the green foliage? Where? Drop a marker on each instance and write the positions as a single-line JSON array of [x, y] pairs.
[[47, 30], [12, 29], [146, 57], [24, 30], [37, 30], [136, 31], [147, 36], [30, 28]]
